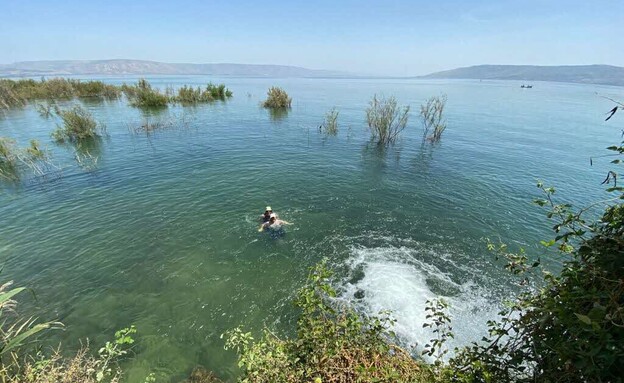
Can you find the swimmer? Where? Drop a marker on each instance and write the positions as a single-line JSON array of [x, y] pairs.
[[264, 218], [273, 222]]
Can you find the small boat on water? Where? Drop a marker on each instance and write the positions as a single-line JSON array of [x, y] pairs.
[[526, 86]]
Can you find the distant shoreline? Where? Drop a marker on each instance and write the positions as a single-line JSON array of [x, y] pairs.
[[576, 74]]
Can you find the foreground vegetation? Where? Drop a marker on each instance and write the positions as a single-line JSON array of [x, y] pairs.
[[334, 344]]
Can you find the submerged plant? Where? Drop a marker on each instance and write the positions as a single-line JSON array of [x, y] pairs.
[[330, 125], [432, 114], [386, 119], [277, 98], [14, 160], [77, 125], [189, 95], [142, 95]]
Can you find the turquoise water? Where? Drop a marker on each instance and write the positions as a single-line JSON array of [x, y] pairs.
[[161, 233]]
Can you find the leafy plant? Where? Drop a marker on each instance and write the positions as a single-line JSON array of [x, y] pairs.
[[277, 98], [15, 333], [432, 114], [333, 344], [440, 322], [83, 367], [386, 120]]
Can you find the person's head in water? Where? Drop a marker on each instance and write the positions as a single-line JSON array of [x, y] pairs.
[[273, 218], [267, 212]]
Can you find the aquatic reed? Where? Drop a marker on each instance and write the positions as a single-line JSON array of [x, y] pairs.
[[142, 95], [432, 114], [77, 124], [330, 125], [277, 98], [386, 119]]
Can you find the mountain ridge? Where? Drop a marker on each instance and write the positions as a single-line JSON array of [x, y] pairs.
[[581, 74], [147, 67]]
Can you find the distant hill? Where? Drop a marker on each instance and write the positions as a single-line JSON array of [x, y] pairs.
[[584, 74], [141, 67]]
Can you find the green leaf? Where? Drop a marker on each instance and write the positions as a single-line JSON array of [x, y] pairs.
[[583, 318], [17, 341], [10, 294]]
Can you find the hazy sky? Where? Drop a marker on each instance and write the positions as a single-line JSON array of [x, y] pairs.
[[398, 37]]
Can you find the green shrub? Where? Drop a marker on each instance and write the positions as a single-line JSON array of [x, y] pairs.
[[189, 95], [18, 92], [330, 125], [77, 125], [333, 344], [432, 114], [218, 92], [277, 98], [386, 120], [142, 95]]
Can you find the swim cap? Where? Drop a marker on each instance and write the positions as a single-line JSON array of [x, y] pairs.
[[268, 208]]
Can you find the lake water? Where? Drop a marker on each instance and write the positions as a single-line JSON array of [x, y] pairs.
[[162, 234]]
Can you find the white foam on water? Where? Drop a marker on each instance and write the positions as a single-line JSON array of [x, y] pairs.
[[395, 279]]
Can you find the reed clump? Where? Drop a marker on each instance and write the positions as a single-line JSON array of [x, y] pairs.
[[212, 92], [77, 125], [277, 98], [432, 114], [9, 98], [386, 119], [18, 92], [142, 95], [15, 160], [330, 125]]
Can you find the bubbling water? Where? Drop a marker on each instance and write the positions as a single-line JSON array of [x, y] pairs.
[[400, 280]]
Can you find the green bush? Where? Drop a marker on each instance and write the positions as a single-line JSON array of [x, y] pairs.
[[333, 344], [277, 98], [18, 92], [386, 120], [142, 95], [77, 125], [189, 95]]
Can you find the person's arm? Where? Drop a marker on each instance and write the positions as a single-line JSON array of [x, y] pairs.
[[261, 228], [285, 223]]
